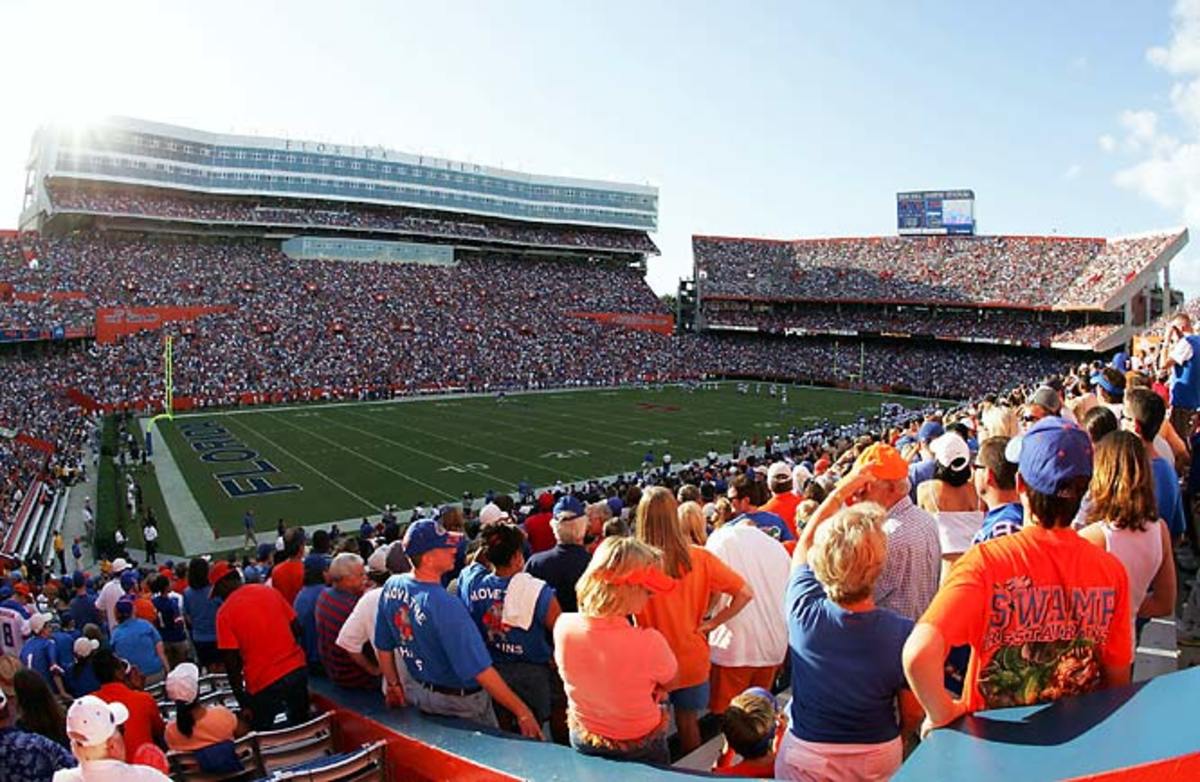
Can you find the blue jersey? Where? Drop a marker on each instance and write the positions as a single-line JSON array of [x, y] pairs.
[[136, 640], [483, 592], [1185, 380], [432, 631], [767, 521], [1166, 491], [41, 654]]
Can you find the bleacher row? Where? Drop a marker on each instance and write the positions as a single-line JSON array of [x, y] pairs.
[[41, 515], [302, 752]]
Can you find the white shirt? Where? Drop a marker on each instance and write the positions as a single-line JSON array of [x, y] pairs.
[[106, 601], [109, 771], [150, 533], [757, 636]]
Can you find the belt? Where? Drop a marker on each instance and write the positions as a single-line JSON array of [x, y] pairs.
[[459, 691]]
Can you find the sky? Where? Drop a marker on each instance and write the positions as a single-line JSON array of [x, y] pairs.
[[765, 119]]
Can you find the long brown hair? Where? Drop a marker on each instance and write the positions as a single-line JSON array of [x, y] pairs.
[[1122, 487], [658, 525]]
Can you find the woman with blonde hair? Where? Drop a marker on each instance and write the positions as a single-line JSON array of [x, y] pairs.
[[847, 681], [679, 615], [615, 674], [999, 421], [691, 519], [1125, 523]]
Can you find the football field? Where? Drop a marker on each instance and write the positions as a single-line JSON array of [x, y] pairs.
[[338, 462]]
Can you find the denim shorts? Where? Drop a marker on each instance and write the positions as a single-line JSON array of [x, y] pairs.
[[693, 698]]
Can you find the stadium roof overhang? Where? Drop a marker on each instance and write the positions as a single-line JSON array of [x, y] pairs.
[[1139, 282]]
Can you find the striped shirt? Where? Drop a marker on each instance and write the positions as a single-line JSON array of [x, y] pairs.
[[333, 606], [914, 560]]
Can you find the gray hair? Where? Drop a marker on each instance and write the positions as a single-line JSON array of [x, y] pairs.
[[599, 511], [343, 564], [568, 531]]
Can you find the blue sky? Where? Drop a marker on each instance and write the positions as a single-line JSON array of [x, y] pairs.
[[753, 119]]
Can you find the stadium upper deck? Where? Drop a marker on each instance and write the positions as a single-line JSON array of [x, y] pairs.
[[135, 156], [1098, 289]]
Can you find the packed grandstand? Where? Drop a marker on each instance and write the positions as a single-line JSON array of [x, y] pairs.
[[465, 279]]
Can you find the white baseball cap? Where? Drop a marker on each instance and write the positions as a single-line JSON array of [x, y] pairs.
[[39, 621], [85, 646], [119, 564], [491, 514], [91, 721], [778, 470], [183, 683], [951, 451]]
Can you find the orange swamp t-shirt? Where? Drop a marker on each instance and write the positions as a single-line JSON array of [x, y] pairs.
[[1043, 612]]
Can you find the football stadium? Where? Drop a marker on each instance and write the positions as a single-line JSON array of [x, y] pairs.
[[334, 462]]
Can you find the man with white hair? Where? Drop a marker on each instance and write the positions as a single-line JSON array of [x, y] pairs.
[[356, 635], [561, 566], [93, 727], [914, 554], [348, 576], [25, 755], [112, 591]]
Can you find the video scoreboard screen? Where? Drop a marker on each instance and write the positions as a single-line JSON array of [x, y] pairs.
[[935, 212]]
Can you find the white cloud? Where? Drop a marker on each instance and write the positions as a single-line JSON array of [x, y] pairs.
[[1168, 172], [1079, 63], [1073, 171]]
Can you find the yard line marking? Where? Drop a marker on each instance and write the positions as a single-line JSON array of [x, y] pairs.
[[375, 462], [426, 454], [373, 506]]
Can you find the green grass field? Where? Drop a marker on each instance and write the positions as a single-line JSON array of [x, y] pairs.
[[319, 464]]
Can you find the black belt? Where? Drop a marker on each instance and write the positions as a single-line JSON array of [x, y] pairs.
[[459, 691]]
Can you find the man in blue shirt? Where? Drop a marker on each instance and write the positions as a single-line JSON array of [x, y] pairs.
[[82, 608], [40, 653], [520, 651], [996, 485], [136, 641], [1178, 355], [923, 470], [1143, 415], [446, 667], [739, 495]]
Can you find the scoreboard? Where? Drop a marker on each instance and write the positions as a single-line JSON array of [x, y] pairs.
[[935, 212]]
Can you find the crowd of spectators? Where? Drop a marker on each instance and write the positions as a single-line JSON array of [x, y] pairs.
[[1039, 271], [302, 214], [1029, 328], [479, 614]]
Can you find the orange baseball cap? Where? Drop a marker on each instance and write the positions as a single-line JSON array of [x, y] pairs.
[[883, 461]]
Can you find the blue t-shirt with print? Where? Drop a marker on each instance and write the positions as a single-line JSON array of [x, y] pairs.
[[1000, 521], [41, 655], [432, 631], [483, 592], [846, 669], [1185, 380]]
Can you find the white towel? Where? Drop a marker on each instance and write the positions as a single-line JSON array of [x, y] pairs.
[[520, 601]]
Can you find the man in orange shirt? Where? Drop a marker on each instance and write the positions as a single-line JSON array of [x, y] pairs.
[[1041, 597], [288, 576], [783, 500], [145, 723]]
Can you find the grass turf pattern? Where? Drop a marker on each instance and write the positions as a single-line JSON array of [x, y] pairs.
[[347, 460]]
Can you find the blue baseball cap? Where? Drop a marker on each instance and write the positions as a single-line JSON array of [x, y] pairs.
[[1052, 452], [1098, 379], [129, 578], [77, 579], [615, 505], [1120, 362], [426, 535], [930, 430], [567, 506], [124, 607]]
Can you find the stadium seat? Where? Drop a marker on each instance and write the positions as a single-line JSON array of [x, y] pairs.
[[280, 749], [363, 765], [186, 767]]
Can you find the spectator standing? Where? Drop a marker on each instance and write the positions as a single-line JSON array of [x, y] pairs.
[[1178, 355], [200, 613], [40, 653], [783, 500], [169, 622], [257, 634], [562, 566], [537, 525], [741, 494], [1086, 595], [747, 650], [138, 642], [150, 537], [847, 683], [82, 607], [616, 674], [82, 680], [996, 484], [288, 576], [445, 667], [949, 496], [111, 592], [681, 615], [1143, 414], [305, 606]]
